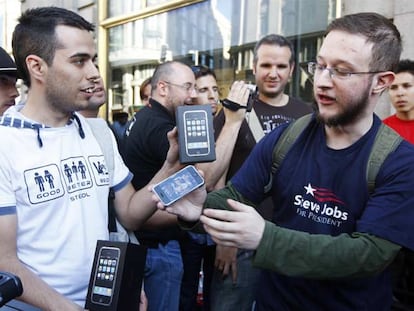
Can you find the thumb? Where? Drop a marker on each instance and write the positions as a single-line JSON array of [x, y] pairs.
[[172, 135]]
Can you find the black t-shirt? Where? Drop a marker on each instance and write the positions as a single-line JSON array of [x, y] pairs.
[[144, 152], [269, 117]]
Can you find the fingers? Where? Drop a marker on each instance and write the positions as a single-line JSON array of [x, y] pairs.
[[226, 270], [239, 93], [234, 272], [237, 213]]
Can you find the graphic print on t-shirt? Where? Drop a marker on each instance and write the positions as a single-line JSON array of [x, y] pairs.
[[74, 174], [321, 205], [44, 183]]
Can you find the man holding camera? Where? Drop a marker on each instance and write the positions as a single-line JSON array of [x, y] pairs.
[[273, 65]]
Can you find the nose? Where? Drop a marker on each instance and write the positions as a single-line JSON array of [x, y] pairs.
[[193, 92], [400, 91], [273, 71], [13, 92], [322, 79], [211, 94], [93, 72]]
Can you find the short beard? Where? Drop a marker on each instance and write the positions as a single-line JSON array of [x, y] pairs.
[[347, 116]]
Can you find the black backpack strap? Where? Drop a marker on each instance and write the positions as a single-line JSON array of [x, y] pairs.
[[386, 141], [111, 211], [284, 143]]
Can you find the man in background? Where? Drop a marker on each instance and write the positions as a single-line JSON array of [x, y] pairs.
[[401, 93], [199, 248], [145, 150], [145, 91], [8, 78]]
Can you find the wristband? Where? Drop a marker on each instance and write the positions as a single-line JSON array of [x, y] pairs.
[[229, 104]]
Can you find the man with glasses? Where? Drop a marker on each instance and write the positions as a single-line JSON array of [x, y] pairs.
[[198, 249], [145, 150], [330, 241], [273, 65]]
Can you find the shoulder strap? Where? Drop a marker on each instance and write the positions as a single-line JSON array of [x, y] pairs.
[[102, 133], [284, 143], [254, 125], [386, 141]]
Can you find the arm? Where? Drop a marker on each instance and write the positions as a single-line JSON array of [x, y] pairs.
[[325, 256], [297, 253], [134, 208], [35, 291], [213, 171]]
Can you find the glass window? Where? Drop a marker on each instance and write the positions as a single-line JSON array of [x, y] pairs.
[[218, 34]]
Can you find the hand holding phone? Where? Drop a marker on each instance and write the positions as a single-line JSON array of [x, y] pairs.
[[178, 185]]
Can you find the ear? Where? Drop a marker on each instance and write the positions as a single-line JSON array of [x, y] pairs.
[[382, 81], [254, 68], [292, 67], [36, 67], [162, 88]]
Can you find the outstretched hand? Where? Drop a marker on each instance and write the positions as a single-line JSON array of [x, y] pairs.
[[240, 227]]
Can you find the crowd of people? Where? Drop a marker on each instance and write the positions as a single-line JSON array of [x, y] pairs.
[[316, 239]]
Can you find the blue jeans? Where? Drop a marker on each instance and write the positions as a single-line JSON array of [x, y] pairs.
[[163, 274], [240, 296], [194, 255]]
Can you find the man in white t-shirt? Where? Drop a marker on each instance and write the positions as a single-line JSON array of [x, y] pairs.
[[55, 182]]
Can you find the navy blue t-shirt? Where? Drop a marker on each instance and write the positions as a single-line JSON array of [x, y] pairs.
[[324, 191]]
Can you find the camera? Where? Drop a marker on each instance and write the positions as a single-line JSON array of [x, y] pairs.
[[10, 287], [254, 93]]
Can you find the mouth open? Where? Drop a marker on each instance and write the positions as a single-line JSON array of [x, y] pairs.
[[88, 90]]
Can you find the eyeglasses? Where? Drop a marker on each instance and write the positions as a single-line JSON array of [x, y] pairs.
[[188, 87], [316, 69]]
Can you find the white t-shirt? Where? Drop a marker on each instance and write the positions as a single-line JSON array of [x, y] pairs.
[[59, 192]]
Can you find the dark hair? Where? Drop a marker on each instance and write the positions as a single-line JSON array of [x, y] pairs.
[[202, 71], [379, 31], [35, 34], [405, 65], [277, 40], [144, 84]]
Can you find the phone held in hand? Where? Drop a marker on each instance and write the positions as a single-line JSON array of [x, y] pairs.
[[178, 185]]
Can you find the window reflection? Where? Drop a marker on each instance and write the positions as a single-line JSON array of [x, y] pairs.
[[215, 33]]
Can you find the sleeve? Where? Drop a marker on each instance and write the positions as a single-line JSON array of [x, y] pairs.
[[7, 193], [121, 174], [296, 253], [389, 212], [218, 200]]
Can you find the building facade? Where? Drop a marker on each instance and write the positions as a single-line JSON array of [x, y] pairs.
[[134, 36]]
